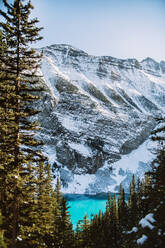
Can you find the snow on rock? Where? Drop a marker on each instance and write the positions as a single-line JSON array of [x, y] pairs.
[[134, 163], [145, 223], [50, 152], [79, 184], [81, 148], [142, 240], [103, 112], [150, 217], [134, 229], [69, 123], [130, 162], [109, 177], [147, 220]]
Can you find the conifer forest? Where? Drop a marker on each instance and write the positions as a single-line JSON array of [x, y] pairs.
[[33, 211]]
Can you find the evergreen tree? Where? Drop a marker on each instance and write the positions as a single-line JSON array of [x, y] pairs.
[[132, 203], [122, 209], [20, 151], [78, 239], [57, 190], [149, 228], [156, 195], [143, 201], [63, 235], [2, 243], [57, 215], [65, 227], [114, 218], [107, 223], [46, 205], [123, 216], [85, 232], [99, 236]]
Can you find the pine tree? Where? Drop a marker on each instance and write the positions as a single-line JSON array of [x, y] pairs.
[[2, 243], [46, 204], [107, 223], [150, 221], [6, 114], [57, 190], [142, 195], [57, 215], [114, 218], [65, 226], [63, 235], [20, 151], [123, 216], [122, 209], [85, 233], [78, 237], [156, 195], [132, 203]]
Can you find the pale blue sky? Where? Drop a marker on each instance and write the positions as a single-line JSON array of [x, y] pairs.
[[119, 28]]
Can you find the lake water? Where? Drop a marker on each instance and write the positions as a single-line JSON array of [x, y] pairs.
[[85, 204]]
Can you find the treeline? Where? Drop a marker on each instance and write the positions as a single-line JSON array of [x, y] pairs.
[[125, 224], [138, 222], [34, 214]]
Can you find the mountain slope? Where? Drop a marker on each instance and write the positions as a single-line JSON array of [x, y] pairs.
[[96, 110]]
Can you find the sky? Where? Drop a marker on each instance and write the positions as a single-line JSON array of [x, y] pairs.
[[118, 28]]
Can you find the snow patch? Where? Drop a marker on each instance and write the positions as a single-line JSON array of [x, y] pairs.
[[69, 123], [146, 222], [50, 152], [130, 162], [134, 229], [79, 184], [81, 148], [142, 240], [150, 217]]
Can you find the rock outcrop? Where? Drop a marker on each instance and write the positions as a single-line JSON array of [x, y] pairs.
[[96, 109]]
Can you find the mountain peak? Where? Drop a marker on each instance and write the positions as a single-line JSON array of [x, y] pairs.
[[64, 48], [149, 60], [150, 65]]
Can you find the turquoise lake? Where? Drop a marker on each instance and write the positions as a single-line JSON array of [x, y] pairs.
[[85, 204]]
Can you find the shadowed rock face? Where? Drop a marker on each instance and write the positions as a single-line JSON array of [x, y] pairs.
[[96, 108]]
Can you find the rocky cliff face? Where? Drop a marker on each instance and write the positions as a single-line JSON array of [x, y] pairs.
[[96, 110]]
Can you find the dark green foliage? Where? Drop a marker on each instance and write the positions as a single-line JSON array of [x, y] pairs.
[[97, 231], [66, 234], [34, 214], [2, 243], [103, 231], [84, 233], [157, 133], [20, 151], [122, 210], [132, 203], [119, 226], [156, 197]]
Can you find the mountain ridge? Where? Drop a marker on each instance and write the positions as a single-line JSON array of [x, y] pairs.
[[68, 46], [96, 109]]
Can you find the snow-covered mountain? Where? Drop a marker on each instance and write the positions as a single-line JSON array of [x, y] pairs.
[[97, 111]]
